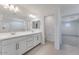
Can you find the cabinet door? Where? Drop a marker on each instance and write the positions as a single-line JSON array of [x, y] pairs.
[[9, 49], [0, 51], [0, 48], [21, 47], [36, 39], [39, 38], [29, 43]]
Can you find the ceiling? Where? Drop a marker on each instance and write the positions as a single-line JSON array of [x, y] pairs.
[[70, 12], [46, 9], [39, 9], [26, 9]]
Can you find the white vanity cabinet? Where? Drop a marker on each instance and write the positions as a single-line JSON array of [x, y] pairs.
[[9, 46], [30, 42], [19, 45], [9, 49], [37, 39]]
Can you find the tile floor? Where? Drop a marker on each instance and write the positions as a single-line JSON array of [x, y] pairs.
[[48, 49]]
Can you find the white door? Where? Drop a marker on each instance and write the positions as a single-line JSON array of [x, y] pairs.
[[9, 49], [50, 28]]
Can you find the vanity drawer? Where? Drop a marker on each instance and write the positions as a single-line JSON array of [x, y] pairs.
[[29, 38], [9, 41], [14, 40]]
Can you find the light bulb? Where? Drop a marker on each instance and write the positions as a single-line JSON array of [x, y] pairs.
[[6, 5], [16, 9], [11, 7], [32, 16]]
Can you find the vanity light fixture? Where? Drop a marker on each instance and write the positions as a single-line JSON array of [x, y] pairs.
[[16, 9], [11, 7], [35, 19], [32, 16], [5, 5]]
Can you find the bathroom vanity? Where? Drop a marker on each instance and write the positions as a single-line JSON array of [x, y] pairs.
[[17, 36], [19, 43]]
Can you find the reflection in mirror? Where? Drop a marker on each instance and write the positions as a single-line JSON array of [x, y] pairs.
[[36, 25], [12, 25]]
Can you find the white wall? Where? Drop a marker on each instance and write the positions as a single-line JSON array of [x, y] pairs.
[[71, 33], [58, 39], [71, 29], [70, 9], [53, 28], [42, 28]]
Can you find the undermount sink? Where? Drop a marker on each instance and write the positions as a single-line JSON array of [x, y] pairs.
[[13, 33]]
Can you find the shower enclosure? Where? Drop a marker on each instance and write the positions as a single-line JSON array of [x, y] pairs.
[[70, 33]]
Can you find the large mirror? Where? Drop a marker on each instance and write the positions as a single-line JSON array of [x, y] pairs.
[[12, 25]]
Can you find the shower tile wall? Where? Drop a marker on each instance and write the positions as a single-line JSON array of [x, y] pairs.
[[70, 35]]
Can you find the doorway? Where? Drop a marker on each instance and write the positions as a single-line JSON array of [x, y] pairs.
[[50, 26]]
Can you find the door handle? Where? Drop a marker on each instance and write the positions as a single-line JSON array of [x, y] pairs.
[[37, 38], [17, 46]]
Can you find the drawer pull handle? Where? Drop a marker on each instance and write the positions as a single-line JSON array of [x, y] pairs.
[[17, 46]]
